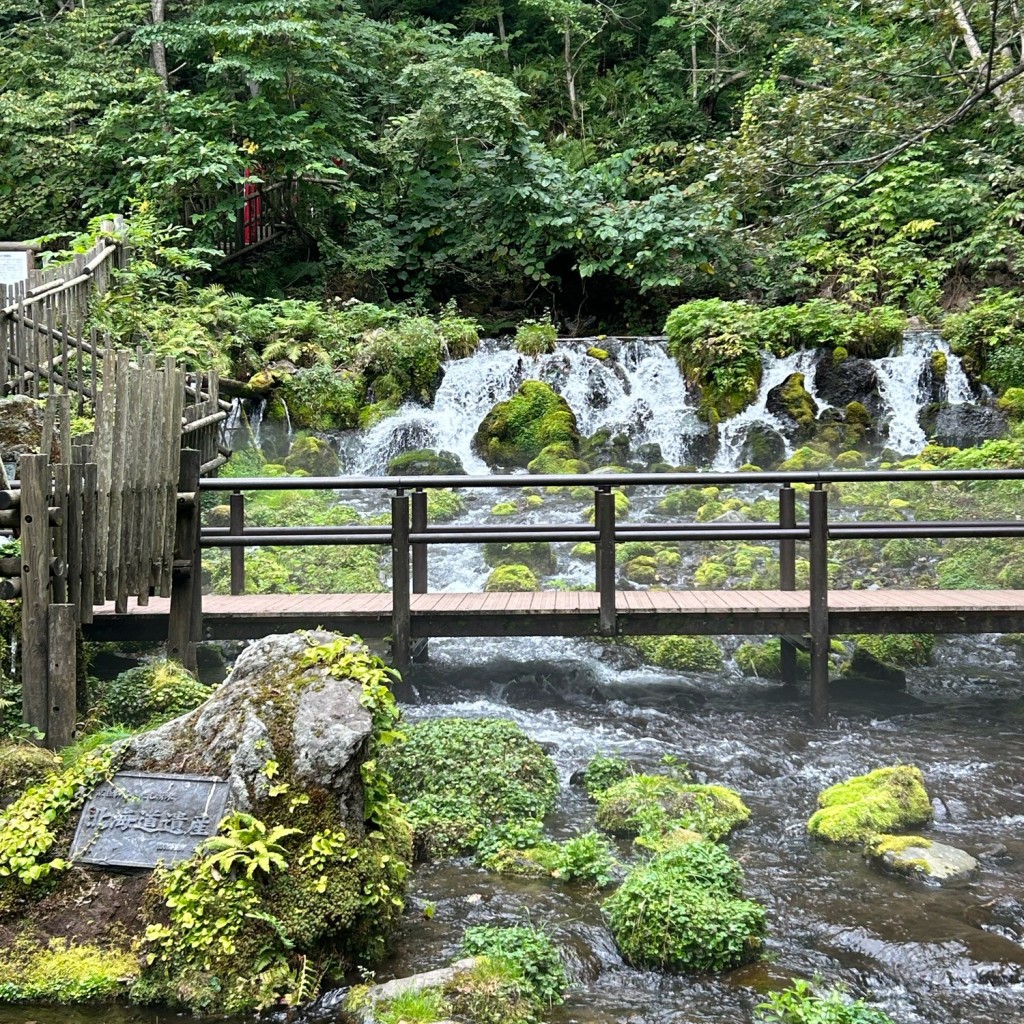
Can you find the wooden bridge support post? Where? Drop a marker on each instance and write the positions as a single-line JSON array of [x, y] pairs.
[[36, 554], [604, 517], [818, 501], [401, 634], [236, 526], [421, 650], [787, 575], [186, 576]]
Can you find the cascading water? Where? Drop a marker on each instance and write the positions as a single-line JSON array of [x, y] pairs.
[[640, 393]]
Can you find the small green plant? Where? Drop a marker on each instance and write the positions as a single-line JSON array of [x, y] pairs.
[[535, 338], [151, 694], [64, 973], [246, 846], [800, 1004], [602, 772], [531, 956]]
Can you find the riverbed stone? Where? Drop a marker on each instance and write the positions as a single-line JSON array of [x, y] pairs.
[[920, 857], [364, 1007], [271, 709], [793, 404], [763, 446], [840, 382], [963, 426], [426, 462]]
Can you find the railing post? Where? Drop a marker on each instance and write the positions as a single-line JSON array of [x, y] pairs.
[[420, 651], [236, 526], [186, 584], [818, 501], [604, 515], [36, 553], [787, 574], [401, 636]]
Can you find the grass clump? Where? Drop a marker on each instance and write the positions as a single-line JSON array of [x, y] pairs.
[[683, 911], [800, 1004], [680, 653], [463, 778], [62, 972], [882, 801], [535, 338], [150, 694], [656, 804], [529, 955]]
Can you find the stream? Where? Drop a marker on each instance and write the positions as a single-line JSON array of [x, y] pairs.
[[925, 954]]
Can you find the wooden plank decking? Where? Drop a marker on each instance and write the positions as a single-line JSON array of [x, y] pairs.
[[552, 613]]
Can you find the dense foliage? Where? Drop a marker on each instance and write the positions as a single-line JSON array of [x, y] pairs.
[[629, 155]]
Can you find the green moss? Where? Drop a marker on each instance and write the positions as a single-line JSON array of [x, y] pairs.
[[804, 459], [868, 805], [515, 432], [23, 765], [62, 972], [850, 460], [938, 361], [642, 570], [880, 845], [511, 579], [444, 506], [710, 574], [504, 508], [686, 499], [597, 353], [681, 653], [538, 556], [149, 694], [586, 551], [426, 462], [683, 911], [839, 354], [312, 455], [621, 502], [796, 401], [464, 777], [899, 650], [558, 458], [1011, 402], [657, 804], [317, 398]]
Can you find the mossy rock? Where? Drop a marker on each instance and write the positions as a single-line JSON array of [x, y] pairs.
[[884, 800], [23, 765], [539, 556], [511, 579], [149, 694], [919, 857], [897, 650], [939, 364], [764, 660], [516, 431], [461, 778], [683, 911], [504, 508], [850, 460], [558, 458], [806, 459], [661, 803], [597, 353], [681, 653], [710, 574], [312, 455], [679, 502], [444, 506], [792, 399], [426, 462], [585, 551], [642, 570]]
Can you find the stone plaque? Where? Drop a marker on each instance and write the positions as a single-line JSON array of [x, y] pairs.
[[139, 818], [14, 266]]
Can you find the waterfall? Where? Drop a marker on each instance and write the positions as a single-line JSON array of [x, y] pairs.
[[638, 391]]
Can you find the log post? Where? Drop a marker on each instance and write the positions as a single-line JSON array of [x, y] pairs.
[[604, 509], [819, 605], [62, 675], [36, 553], [787, 575], [236, 525], [185, 586], [421, 650], [401, 635]]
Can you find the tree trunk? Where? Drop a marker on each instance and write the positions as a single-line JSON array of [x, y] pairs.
[[501, 33], [158, 52], [570, 76], [1013, 105]]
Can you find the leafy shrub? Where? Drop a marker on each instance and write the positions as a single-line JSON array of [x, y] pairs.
[[534, 338], [799, 1004], [587, 858], [154, 692], [463, 777], [994, 323], [530, 955], [602, 772], [682, 911]]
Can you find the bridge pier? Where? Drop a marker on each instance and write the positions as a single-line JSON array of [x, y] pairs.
[[401, 605], [787, 577], [820, 640]]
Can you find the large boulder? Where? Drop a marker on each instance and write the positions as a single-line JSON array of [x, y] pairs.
[[963, 426], [515, 432], [272, 709], [426, 462], [792, 403], [763, 446], [847, 380], [312, 455]]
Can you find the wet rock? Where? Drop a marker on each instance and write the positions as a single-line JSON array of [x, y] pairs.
[[21, 428], [850, 380], [1003, 916], [271, 708], [426, 462], [792, 403], [648, 454], [312, 455], [763, 446], [864, 665], [391, 990], [963, 426], [997, 851], [921, 858]]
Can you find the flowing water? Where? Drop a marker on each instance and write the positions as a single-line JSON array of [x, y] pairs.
[[927, 955]]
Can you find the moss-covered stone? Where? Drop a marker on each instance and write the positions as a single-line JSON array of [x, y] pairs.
[[882, 801], [938, 363], [444, 506], [710, 574], [643, 570], [660, 803], [514, 579], [312, 455], [462, 778], [791, 398], [850, 460], [426, 462], [539, 556], [897, 650], [805, 459], [919, 857], [515, 432], [682, 653], [23, 765], [597, 353], [558, 458], [504, 509]]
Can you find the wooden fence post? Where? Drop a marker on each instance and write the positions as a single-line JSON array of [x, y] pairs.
[[401, 636], [186, 589], [787, 575], [421, 649], [604, 516], [818, 501], [61, 675], [36, 553], [236, 525]]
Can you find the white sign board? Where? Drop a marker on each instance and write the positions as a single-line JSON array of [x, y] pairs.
[[13, 266]]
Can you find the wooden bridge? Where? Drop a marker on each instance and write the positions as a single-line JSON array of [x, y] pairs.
[[410, 615]]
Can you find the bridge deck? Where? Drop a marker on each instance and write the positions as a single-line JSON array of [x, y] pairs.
[[551, 613]]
